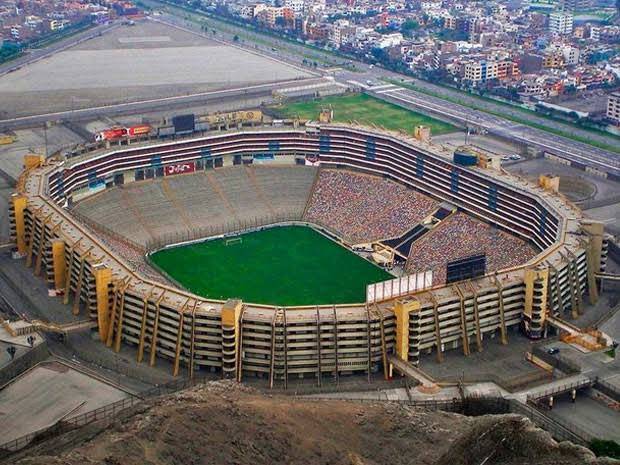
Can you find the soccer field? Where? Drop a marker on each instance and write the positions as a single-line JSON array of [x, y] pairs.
[[365, 110], [291, 265]]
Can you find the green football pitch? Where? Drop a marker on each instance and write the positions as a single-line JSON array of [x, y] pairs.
[[365, 110], [290, 265]]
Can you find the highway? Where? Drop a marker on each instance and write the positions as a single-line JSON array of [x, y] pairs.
[[577, 152], [292, 53]]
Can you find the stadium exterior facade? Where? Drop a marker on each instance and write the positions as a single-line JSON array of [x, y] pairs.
[[246, 339]]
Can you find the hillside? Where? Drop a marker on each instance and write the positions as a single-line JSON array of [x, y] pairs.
[[224, 423]]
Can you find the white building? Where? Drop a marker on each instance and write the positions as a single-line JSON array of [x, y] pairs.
[[296, 5], [613, 106], [595, 33], [571, 55], [560, 23], [389, 40]]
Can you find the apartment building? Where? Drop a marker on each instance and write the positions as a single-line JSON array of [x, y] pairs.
[[613, 107], [560, 23], [481, 71]]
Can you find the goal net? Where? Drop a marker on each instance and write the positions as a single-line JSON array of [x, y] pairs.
[[233, 241]]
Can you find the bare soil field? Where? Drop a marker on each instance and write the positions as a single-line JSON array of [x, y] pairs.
[[149, 60], [227, 423]]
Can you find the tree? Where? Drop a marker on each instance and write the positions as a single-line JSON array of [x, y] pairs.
[[381, 55], [408, 27], [236, 38]]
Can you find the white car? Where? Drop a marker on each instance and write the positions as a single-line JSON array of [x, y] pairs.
[[505, 158], [515, 157]]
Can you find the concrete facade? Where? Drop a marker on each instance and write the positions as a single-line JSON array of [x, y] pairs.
[[280, 343]]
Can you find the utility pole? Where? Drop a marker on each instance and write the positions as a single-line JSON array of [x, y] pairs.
[[45, 136]]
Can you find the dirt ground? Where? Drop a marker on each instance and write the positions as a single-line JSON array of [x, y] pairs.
[[226, 423], [148, 60]]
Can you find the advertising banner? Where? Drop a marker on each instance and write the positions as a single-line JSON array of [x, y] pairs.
[[398, 287], [181, 168]]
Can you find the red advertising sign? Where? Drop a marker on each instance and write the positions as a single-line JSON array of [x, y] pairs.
[[181, 168]]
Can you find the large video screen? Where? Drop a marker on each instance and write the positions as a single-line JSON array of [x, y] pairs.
[[183, 124], [466, 268]]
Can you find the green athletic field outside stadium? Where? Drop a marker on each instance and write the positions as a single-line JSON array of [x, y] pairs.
[[289, 265]]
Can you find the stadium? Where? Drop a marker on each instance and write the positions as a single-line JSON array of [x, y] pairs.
[[465, 253]]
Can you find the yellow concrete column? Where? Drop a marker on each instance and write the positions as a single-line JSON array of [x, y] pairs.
[[549, 182], [33, 160], [595, 231], [231, 328], [177, 352], [531, 308], [103, 279], [19, 205], [59, 263], [402, 311]]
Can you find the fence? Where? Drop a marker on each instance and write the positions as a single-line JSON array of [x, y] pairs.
[[23, 362], [481, 405], [230, 228], [329, 386], [557, 428], [509, 383], [98, 227], [563, 388], [559, 362], [470, 406], [86, 361], [608, 389]]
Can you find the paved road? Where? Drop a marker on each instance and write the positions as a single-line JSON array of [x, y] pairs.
[[592, 416], [295, 53], [499, 108], [167, 103], [574, 151], [292, 53]]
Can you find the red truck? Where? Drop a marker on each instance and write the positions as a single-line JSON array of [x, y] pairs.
[[119, 132], [110, 134], [139, 130]]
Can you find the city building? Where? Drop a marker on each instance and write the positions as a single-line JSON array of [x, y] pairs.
[[560, 23], [613, 107]]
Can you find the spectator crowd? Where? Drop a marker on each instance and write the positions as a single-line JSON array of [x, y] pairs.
[[461, 236], [131, 255], [364, 208]]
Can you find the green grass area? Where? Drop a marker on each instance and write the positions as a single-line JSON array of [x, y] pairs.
[[605, 448], [289, 265], [365, 110], [559, 132]]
